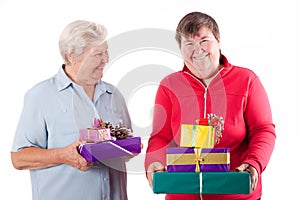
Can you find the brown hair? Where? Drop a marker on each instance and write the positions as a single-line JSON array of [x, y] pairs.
[[190, 24]]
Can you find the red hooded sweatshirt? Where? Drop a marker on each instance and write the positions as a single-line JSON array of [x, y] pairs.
[[237, 95]]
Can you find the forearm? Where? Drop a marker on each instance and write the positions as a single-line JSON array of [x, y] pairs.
[[261, 130], [155, 152], [35, 158], [261, 147]]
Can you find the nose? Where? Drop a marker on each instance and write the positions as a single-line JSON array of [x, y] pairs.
[[105, 58], [198, 47]]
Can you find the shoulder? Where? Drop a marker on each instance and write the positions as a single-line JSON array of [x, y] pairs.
[[42, 88], [175, 76], [110, 88], [235, 70], [243, 71]]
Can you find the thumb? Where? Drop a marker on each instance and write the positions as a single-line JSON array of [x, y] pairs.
[[242, 167], [153, 167]]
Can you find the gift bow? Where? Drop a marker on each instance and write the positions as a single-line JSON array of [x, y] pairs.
[[198, 159]]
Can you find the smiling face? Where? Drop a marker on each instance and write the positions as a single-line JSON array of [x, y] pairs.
[[88, 69], [201, 52]]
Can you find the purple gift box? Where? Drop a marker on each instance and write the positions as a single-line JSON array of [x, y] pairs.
[[110, 149], [198, 159]]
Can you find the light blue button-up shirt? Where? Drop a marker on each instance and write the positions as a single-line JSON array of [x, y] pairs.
[[54, 110]]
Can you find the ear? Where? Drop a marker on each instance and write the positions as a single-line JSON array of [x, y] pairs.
[[219, 42], [71, 58]]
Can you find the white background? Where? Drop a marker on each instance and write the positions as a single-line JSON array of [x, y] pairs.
[[260, 35]]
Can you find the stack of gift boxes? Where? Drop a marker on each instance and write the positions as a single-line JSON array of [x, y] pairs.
[[197, 167], [105, 141]]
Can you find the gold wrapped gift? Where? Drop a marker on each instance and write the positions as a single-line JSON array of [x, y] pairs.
[[197, 159], [199, 136]]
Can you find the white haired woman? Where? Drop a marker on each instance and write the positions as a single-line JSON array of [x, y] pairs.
[[46, 139]]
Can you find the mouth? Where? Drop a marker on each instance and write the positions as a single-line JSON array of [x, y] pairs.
[[100, 68], [200, 57]]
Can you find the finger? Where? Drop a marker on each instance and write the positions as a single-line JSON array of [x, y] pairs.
[[87, 167], [160, 169], [78, 143], [82, 161], [83, 141], [242, 167], [253, 177], [149, 177], [90, 164], [253, 182]]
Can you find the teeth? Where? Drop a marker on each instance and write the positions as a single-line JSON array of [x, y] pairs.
[[200, 57]]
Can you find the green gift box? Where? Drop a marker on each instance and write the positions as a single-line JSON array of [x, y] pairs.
[[201, 183]]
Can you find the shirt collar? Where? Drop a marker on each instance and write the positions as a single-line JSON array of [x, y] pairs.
[[102, 87], [63, 81]]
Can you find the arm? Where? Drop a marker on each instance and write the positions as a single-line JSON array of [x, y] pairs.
[[37, 158], [161, 135], [261, 132]]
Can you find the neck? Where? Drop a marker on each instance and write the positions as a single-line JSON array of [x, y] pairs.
[[89, 89], [70, 72], [206, 79]]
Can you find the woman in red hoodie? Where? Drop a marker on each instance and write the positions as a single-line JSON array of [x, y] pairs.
[[207, 84]]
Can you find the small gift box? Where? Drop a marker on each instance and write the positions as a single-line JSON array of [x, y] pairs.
[[198, 136], [104, 131], [110, 149], [204, 134], [201, 183], [95, 135], [198, 160], [98, 133]]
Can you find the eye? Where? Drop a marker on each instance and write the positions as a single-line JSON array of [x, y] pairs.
[[188, 43], [203, 41], [99, 54]]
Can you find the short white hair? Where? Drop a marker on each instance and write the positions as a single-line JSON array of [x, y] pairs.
[[80, 35]]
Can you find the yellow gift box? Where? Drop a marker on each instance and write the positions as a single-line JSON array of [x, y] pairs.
[[199, 136]]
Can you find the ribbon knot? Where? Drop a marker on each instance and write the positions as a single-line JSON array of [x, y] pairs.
[[198, 159]]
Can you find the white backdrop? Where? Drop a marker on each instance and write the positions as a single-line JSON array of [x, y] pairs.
[[260, 35]]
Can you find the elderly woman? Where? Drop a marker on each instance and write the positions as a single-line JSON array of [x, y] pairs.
[[46, 139], [209, 84]]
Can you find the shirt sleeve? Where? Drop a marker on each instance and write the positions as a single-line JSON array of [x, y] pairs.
[[161, 135], [261, 130], [31, 129]]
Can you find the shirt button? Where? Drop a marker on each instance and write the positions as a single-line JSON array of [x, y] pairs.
[[105, 179]]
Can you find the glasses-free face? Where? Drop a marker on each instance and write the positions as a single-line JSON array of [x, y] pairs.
[[91, 64], [201, 52]]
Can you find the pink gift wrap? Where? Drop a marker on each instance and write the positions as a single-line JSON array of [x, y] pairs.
[[95, 135]]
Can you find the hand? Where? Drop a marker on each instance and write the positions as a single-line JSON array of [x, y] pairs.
[[70, 156], [253, 174], [154, 167]]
